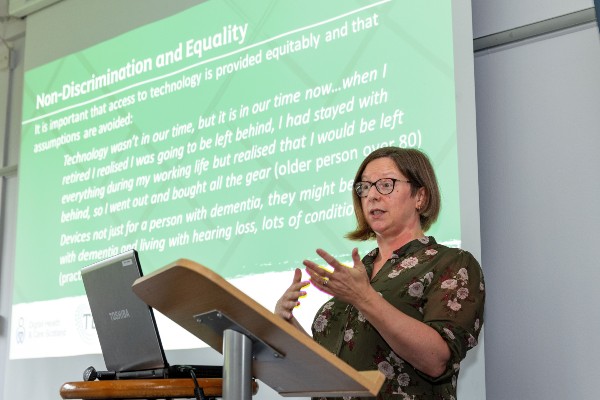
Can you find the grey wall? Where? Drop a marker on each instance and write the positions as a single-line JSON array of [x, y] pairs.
[[538, 122], [538, 131], [538, 109], [490, 16], [12, 31]]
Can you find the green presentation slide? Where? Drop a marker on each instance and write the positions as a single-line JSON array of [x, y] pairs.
[[228, 134]]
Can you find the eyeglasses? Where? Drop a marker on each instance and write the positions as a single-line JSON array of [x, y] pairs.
[[383, 186]]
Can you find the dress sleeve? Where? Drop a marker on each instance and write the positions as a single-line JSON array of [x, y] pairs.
[[454, 306]]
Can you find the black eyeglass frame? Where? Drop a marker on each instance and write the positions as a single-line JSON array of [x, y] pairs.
[[359, 186]]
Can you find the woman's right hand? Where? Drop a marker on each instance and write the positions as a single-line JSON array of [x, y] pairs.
[[290, 298]]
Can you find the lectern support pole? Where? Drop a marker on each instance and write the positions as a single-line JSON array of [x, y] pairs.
[[237, 366]]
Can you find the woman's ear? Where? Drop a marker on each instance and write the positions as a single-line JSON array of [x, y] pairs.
[[421, 198]]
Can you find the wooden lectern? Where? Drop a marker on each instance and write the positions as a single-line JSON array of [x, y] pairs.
[[254, 342]]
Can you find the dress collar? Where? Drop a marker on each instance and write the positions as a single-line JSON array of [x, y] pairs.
[[409, 248]]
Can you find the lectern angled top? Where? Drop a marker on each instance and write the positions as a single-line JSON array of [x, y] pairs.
[[284, 358]]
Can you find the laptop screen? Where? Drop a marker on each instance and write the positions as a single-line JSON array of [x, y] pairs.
[[125, 324]]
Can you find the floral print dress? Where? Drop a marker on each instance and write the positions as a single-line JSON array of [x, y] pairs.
[[440, 286]]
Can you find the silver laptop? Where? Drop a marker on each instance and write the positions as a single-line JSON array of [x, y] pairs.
[[126, 327]]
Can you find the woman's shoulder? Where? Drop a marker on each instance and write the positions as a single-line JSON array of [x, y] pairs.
[[457, 256], [449, 247]]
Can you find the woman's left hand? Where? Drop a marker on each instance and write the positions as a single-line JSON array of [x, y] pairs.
[[345, 283]]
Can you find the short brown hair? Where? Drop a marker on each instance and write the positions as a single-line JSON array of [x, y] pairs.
[[416, 167]]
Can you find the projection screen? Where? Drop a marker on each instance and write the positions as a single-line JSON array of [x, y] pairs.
[[228, 134]]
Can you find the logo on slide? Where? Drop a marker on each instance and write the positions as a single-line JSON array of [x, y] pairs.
[[85, 324], [20, 332]]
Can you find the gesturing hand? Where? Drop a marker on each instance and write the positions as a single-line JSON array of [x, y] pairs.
[[347, 284], [289, 300]]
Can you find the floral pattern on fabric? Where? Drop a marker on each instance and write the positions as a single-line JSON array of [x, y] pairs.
[[440, 286]]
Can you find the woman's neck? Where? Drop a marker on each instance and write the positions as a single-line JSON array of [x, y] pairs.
[[388, 245]]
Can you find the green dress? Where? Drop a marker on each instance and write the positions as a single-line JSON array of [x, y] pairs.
[[440, 286]]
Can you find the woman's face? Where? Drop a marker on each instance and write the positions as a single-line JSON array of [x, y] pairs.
[[389, 215]]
